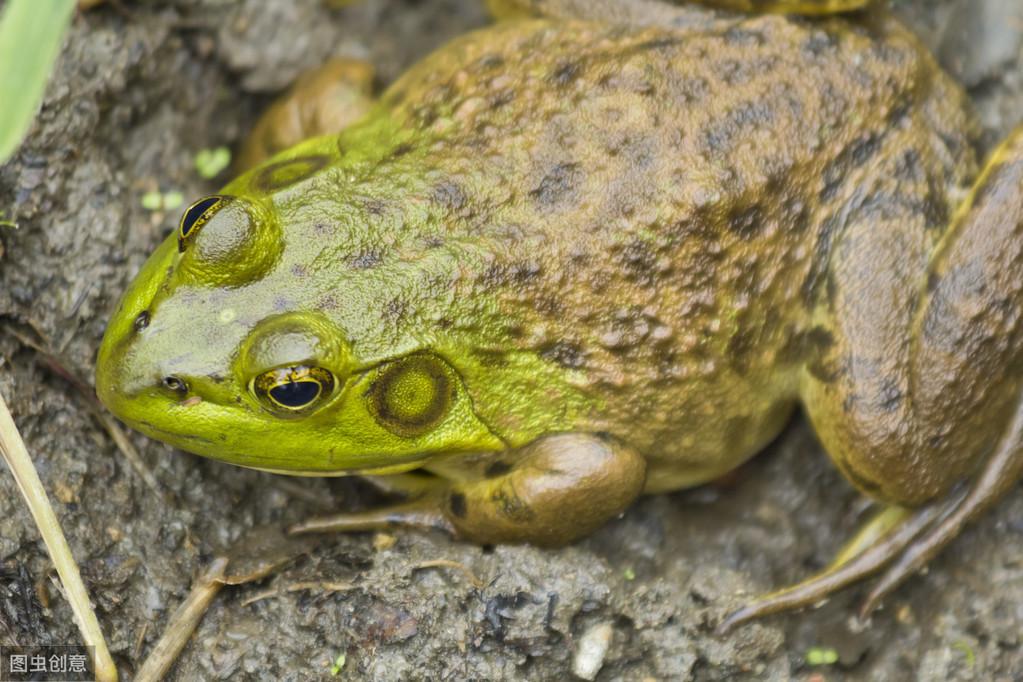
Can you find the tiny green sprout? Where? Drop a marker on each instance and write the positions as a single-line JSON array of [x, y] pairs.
[[629, 574], [173, 200], [162, 201], [339, 664], [819, 655], [964, 646], [210, 162]]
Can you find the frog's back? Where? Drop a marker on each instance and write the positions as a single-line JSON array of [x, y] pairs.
[[659, 205]]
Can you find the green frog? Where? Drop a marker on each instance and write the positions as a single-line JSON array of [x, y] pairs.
[[605, 249]]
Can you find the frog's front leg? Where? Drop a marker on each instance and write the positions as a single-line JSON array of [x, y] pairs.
[[323, 101], [920, 399], [550, 492]]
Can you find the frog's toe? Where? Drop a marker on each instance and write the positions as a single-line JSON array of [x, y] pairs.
[[900, 541], [1000, 474], [424, 512], [877, 544]]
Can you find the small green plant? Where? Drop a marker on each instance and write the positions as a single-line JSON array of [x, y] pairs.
[[30, 40]]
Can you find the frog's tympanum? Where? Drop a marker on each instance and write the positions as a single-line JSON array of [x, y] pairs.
[[601, 249]]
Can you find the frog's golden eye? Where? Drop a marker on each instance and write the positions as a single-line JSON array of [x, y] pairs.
[[412, 395], [197, 215], [294, 389]]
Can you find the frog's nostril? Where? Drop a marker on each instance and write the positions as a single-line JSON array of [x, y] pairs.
[[142, 321], [175, 384]]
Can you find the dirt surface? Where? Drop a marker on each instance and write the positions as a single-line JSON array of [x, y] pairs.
[[139, 90]]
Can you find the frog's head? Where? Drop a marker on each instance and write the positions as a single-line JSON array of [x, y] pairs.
[[245, 338]]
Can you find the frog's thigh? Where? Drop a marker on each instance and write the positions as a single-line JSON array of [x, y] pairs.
[[323, 101], [659, 12], [627, 12], [925, 391], [557, 489]]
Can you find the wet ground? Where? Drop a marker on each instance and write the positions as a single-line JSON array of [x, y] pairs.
[[140, 89]]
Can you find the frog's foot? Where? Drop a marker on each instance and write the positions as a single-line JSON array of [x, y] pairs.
[[556, 489], [323, 101], [899, 540], [804, 7]]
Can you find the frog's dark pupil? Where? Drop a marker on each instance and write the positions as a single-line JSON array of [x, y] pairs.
[[295, 393], [195, 212]]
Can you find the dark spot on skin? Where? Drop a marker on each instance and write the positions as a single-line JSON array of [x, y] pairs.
[[740, 348], [501, 98], [560, 183], [639, 261], [746, 222], [141, 321], [810, 344], [498, 275], [449, 195], [365, 260], [298, 270], [824, 370], [490, 358], [818, 43], [490, 61], [737, 124], [511, 506], [395, 310], [933, 280], [658, 44], [497, 468], [830, 229], [401, 150], [891, 395], [457, 505], [739, 36], [565, 354], [286, 173], [861, 150], [374, 207], [900, 112], [565, 73]]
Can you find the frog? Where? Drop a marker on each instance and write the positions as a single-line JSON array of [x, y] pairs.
[[599, 250]]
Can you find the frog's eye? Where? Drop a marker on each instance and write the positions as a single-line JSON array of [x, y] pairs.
[[412, 395], [197, 215], [294, 389]]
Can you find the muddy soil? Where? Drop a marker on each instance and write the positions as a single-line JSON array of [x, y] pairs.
[[140, 88]]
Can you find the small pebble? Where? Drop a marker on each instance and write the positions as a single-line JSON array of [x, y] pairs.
[[589, 657]]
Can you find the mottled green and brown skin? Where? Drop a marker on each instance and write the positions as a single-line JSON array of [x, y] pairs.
[[566, 260]]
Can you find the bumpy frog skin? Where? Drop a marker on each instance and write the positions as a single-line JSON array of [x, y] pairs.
[[565, 260]]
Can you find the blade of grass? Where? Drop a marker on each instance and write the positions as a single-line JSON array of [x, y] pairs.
[[12, 447], [30, 40]]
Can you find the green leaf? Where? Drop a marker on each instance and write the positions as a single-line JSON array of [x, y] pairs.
[[209, 162], [820, 655], [30, 40], [339, 664]]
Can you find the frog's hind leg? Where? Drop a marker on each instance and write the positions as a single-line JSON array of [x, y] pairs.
[[323, 101], [549, 492], [661, 12], [920, 401]]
